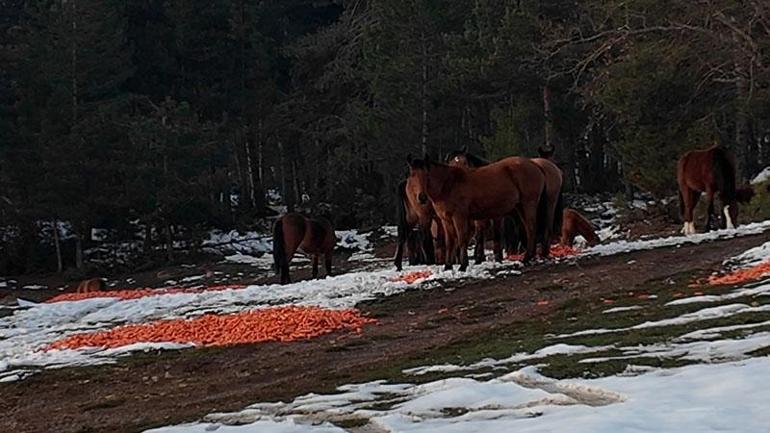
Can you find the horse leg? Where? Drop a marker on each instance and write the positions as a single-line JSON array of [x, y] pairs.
[[497, 246], [479, 250], [315, 266], [328, 263], [528, 216], [399, 253], [449, 244], [709, 210], [461, 231], [688, 205]]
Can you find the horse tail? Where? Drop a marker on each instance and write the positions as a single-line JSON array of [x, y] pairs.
[[542, 218], [724, 175], [279, 247]]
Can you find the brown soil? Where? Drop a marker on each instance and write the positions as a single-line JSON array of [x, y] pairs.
[[172, 387]]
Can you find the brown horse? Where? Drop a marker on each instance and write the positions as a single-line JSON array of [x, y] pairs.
[[462, 158], [576, 224], [555, 205], [413, 226], [710, 171], [510, 186], [92, 285], [312, 236]]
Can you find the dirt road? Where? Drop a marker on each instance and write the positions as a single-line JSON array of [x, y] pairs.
[[416, 328]]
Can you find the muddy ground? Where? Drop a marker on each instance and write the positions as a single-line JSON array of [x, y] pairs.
[[416, 328]]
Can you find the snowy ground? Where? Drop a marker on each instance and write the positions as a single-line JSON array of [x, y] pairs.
[[698, 363], [32, 327]]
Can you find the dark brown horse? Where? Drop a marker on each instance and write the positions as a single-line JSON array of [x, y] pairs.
[[510, 186], [576, 224], [710, 171], [413, 230], [312, 236]]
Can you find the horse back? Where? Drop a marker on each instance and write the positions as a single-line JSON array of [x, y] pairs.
[[91, 285]]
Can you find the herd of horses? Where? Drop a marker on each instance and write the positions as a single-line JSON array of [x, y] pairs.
[[517, 201]]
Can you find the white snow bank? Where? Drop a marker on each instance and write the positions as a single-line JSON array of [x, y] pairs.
[[763, 176], [727, 397]]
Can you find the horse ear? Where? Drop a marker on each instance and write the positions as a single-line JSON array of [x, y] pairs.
[[409, 160]]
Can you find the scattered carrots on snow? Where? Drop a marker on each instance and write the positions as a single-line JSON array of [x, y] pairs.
[[282, 324], [739, 275], [139, 293], [557, 251], [411, 277]]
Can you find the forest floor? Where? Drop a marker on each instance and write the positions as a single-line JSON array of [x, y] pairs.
[[459, 322]]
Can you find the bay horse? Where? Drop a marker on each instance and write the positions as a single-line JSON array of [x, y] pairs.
[[512, 185], [462, 158], [418, 229], [554, 180], [711, 170], [312, 236], [576, 224], [91, 285]]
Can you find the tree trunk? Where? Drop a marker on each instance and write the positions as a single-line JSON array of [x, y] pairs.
[[147, 246], [548, 139], [57, 245], [424, 95], [169, 241], [78, 251], [74, 60], [741, 125]]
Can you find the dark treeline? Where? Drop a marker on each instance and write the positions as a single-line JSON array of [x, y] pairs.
[[121, 114]]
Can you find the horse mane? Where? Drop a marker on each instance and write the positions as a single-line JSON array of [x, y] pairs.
[[724, 173], [474, 160]]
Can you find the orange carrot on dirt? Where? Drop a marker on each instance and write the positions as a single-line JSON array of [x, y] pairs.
[[742, 275], [557, 251], [282, 324]]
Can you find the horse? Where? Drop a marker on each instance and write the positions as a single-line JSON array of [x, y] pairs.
[[312, 236], [554, 181], [576, 224], [711, 170], [511, 185], [414, 222], [91, 285], [462, 158]]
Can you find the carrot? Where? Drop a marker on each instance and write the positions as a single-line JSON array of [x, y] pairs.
[[557, 251], [283, 324], [127, 294], [411, 277], [737, 276]]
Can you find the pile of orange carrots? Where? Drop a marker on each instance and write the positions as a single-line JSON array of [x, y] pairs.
[[411, 277], [282, 324], [125, 294], [743, 275], [557, 251]]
